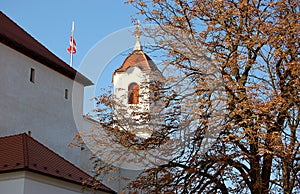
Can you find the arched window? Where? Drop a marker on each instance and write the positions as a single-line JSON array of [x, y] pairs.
[[133, 93]]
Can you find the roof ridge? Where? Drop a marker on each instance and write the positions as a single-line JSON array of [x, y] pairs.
[[25, 150], [12, 135], [27, 136], [24, 31], [150, 65]]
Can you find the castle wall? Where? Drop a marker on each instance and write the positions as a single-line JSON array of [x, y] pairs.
[[40, 105]]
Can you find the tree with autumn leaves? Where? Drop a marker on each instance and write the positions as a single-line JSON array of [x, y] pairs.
[[252, 48]]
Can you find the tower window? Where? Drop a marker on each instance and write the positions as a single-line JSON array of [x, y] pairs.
[[66, 93], [133, 93], [32, 75]]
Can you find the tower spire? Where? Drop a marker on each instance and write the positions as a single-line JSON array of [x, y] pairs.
[[137, 33]]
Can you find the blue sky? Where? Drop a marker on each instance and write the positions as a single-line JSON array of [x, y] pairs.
[[50, 22], [103, 30]]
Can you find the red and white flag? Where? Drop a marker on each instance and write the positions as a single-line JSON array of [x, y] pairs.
[[72, 47]]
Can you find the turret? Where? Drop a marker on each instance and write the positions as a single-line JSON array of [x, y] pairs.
[[132, 90]]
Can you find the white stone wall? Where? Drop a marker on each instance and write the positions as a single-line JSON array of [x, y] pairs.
[[122, 80], [12, 183], [39, 107], [23, 182]]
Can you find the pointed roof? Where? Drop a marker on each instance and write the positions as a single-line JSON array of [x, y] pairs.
[[18, 39], [138, 59], [22, 152]]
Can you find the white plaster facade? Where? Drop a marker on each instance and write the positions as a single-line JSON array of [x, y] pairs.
[[39, 107], [25, 182], [121, 81]]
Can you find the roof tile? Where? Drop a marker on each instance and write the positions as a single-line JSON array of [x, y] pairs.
[[22, 152], [138, 59]]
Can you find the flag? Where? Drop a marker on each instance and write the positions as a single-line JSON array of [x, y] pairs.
[[72, 47]]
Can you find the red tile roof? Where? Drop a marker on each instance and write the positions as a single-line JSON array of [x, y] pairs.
[[138, 59], [16, 38], [22, 152]]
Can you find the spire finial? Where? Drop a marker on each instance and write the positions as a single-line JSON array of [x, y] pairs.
[[137, 32]]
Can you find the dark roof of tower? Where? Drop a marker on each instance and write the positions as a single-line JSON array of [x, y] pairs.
[[22, 152], [18, 39], [138, 59]]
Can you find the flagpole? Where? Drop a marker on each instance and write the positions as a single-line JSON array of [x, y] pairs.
[[72, 46]]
